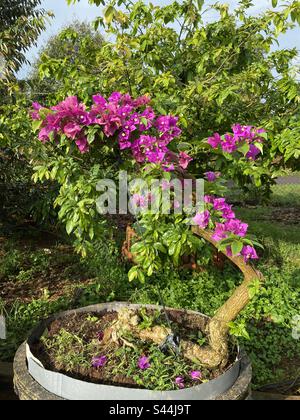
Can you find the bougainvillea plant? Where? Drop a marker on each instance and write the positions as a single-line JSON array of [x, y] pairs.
[[148, 140], [148, 147]]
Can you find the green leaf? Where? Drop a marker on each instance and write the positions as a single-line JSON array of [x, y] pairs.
[[160, 247], [244, 148], [259, 146], [36, 125], [133, 274], [109, 14], [200, 4], [70, 227], [150, 271], [274, 3], [182, 147], [237, 247], [264, 136], [141, 276], [144, 121], [172, 249], [254, 288]]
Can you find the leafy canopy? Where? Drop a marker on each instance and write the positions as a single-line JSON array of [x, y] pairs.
[[21, 22], [209, 72]]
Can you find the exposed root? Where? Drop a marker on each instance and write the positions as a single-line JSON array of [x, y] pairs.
[[156, 334], [128, 323], [216, 353]]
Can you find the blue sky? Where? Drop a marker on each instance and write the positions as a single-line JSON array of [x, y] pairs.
[[65, 14]]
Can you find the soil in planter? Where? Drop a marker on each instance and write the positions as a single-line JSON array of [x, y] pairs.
[[71, 343]]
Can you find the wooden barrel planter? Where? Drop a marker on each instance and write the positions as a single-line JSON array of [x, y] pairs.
[[33, 382]]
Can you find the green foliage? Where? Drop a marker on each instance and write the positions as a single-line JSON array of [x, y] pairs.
[[9, 264], [286, 195], [20, 25], [21, 318], [69, 53], [211, 73], [267, 319], [19, 196], [70, 350], [163, 370], [288, 144]]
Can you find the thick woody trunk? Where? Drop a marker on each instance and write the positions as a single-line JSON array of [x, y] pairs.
[[216, 354]]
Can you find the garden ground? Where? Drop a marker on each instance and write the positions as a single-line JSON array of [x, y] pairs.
[[40, 275]]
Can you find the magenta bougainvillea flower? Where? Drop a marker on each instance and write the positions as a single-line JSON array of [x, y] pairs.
[[215, 141], [234, 226], [82, 144], [44, 134], [179, 381], [237, 227], [184, 160], [248, 252], [99, 361], [121, 117], [219, 204], [35, 113], [208, 199], [72, 129], [220, 232], [144, 363], [196, 375], [212, 176], [230, 143], [202, 219], [228, 213], [253, 152]]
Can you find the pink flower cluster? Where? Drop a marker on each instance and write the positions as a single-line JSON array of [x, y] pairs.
[[68, 118], [229, 143], [217, 208], [132, 122], [195, 376]]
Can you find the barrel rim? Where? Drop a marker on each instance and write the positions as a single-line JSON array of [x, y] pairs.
[[68, 388]]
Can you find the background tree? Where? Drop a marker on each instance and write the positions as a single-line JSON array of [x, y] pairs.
[[73, 47], [21, 22]]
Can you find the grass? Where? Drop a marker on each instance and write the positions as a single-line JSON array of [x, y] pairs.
[[286, 195], [264, 328]]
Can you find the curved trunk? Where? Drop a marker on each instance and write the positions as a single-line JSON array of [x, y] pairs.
[[217, 352]]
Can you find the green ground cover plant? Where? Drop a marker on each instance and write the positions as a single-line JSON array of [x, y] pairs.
[[265, 327]]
